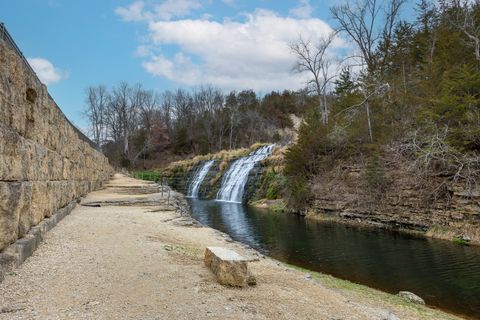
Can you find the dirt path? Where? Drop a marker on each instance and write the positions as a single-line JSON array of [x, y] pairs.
[[138, 261]]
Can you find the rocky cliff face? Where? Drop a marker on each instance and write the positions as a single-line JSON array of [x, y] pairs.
[[404, 202], [44, 162]]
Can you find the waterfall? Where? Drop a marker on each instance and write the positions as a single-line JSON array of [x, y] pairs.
[[197, 180], [236, 177]]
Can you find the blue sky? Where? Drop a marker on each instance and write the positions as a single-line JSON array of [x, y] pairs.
[[163, 44]]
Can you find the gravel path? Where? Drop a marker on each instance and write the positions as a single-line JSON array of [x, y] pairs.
[[142, 261]]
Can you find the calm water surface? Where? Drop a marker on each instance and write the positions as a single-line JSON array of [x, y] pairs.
[[444, 274]]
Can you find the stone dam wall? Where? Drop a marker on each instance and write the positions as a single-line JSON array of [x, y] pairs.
[[45, 162], [180, 179]]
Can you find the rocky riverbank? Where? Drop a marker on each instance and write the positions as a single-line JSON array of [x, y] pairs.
[[385, 195], [130, 252]]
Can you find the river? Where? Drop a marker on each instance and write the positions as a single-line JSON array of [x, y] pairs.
[[444, 274]]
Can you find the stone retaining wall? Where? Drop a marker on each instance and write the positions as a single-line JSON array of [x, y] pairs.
[[44, 162]]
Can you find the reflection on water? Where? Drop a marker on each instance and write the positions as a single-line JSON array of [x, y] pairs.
[[444, 274]]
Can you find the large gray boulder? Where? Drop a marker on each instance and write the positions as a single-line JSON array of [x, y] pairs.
[[229, 267]]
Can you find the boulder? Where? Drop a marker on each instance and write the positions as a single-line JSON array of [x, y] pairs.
[[229, 267], [409, 296]]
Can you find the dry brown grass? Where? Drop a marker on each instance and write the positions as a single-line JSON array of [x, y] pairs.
[[276, 162], [225, 156]]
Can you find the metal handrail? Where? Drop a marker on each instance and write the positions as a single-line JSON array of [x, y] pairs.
[[7, 38]]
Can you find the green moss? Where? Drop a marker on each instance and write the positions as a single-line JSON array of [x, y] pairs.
[[271, 186], [460, 241], [278, 207], [275, 206]]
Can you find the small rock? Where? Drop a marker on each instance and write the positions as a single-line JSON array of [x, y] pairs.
[[388, 315], [11, 309], [308, 276], [409, 296]]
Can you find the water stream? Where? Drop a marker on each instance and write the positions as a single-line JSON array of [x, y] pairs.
[[197, 180], [444, 274], [236, 177]]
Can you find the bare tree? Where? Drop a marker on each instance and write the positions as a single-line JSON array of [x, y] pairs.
[[123, 107], [207, 102], [232, 108], [467, 21], [367, 22], [433, 157], [166, 110], [314, 60], [148, 107], [97, 99]]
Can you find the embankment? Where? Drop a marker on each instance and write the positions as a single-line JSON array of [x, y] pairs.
[[45, 162], [144, 260], [436, 207]]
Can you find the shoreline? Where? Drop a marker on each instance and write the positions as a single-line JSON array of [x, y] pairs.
[[337, 283], [443, 233], [131, 252]]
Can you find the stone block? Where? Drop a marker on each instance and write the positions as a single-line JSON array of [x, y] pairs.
[[10, 202], [229, 267], [26, 246]]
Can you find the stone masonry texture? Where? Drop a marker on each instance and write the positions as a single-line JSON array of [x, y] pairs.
[[44, 163]]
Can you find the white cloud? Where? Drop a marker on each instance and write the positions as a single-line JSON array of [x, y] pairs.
[[166, 10], [133, 12], [142, 51], [249, 54], [46, 71], [176, 8], [304, 10], [180, 69]]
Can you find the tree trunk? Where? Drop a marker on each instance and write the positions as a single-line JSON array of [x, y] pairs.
[[125, 143], [325, 108], [369, 121]]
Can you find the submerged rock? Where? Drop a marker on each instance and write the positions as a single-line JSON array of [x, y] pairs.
[[409, 296]]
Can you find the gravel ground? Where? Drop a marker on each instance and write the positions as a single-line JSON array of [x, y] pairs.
[[138, 261]]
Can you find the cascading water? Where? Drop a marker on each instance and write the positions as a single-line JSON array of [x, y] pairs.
[[197, 180], [235, 180]]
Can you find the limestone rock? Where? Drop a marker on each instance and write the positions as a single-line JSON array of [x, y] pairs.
[[409, 296], [44, 162], [230, 268]]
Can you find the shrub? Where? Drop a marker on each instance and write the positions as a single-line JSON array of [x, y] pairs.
[[375, 176]]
